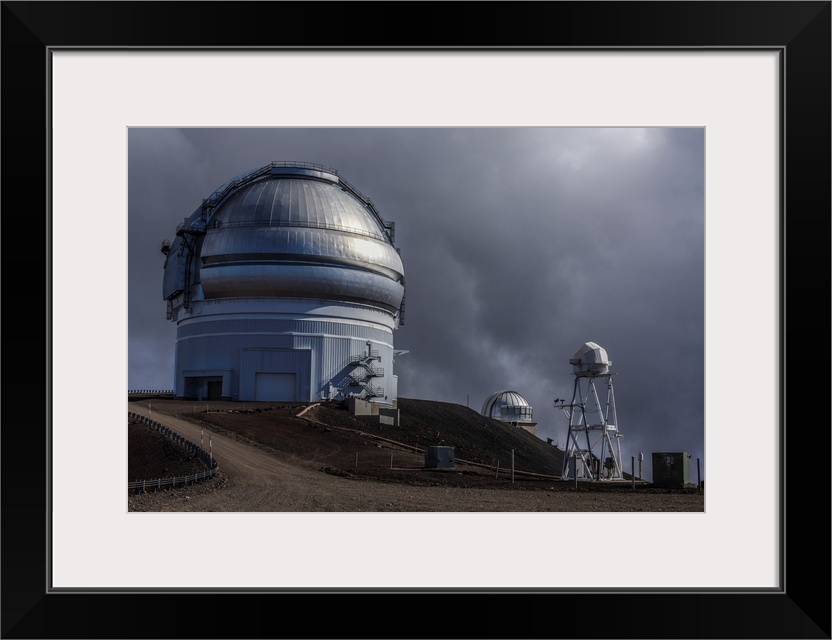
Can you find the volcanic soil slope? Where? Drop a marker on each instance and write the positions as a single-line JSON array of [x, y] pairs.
[[305, 444], [329, 438]]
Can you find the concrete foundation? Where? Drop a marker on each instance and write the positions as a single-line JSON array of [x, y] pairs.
[[384, 414]]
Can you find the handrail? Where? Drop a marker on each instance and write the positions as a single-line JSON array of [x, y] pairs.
[[373, 355], [163, 392]]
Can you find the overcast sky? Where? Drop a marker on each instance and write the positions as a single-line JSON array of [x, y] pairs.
[[519, 245]]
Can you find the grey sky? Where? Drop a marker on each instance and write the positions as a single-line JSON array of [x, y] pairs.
[[518, 244]]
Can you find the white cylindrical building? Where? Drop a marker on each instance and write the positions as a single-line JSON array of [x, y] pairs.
[[285, 285]]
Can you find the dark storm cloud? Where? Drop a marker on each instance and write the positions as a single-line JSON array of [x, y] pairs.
[[519, 245]]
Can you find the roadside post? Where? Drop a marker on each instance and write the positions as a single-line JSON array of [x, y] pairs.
[[698, 476], [575, 468]]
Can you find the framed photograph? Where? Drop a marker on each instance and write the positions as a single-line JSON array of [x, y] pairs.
[[752, 78]]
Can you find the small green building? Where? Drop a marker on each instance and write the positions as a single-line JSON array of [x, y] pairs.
[[671, 469]]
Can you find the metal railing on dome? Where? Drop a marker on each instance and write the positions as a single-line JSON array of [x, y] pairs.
[[243, 179], [390, 227]]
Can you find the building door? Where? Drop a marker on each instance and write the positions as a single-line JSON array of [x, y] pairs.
[[215, 389], [275, 387]]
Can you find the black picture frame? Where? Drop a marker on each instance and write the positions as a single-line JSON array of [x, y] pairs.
[[799, 31]]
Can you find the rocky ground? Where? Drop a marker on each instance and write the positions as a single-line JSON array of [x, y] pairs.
[[297, 457]]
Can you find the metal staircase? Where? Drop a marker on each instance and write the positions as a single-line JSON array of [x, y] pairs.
[[364, 373]]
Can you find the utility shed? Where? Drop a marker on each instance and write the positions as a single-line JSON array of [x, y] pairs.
[[439, 457], [671, 469]]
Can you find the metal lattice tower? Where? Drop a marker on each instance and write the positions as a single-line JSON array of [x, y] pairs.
[[593, 442]]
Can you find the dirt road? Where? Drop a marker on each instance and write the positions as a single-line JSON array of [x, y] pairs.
[[254, 479]]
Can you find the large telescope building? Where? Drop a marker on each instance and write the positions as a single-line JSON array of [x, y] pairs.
[[285, 285]]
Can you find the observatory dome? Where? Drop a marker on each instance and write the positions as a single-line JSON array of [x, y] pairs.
[[507, 406], [590, 360], [289, 270], [290, 230]]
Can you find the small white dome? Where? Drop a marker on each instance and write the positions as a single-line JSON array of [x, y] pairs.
[[507, 406], [590, 360]]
